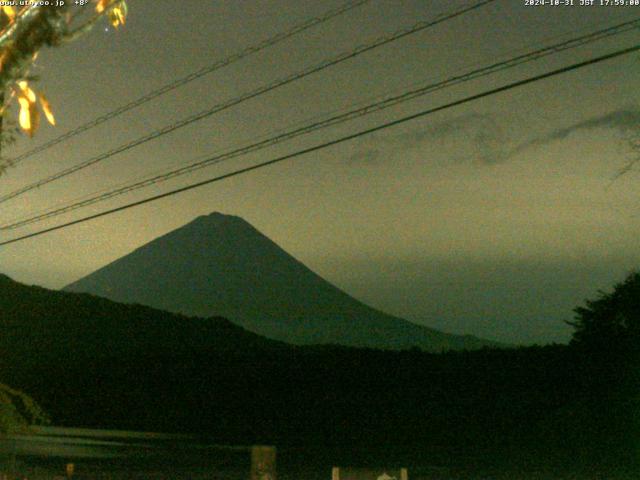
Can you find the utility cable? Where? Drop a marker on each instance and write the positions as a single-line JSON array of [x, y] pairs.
[[235, 101], [333, 120], [337, 141], [246, 52]]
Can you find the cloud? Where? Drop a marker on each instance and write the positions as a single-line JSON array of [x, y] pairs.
[[483, 139], [483, 132], [625, 121], [453, 126]]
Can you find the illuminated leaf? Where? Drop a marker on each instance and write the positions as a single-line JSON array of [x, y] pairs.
[[25, 115], [46, 108], [26, 91], [102, 4], [118, 14], [10, 12], [29, 117]]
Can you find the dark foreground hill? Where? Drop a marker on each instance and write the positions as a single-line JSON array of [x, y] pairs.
[[95, 363], [38, 323], [221, 265]]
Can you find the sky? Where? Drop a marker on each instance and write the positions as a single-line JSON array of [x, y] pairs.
[[495, 218]]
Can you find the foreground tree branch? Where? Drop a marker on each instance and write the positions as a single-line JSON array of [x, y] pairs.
[[24, 33]]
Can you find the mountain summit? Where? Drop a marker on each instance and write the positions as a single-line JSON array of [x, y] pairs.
[[221, 265]]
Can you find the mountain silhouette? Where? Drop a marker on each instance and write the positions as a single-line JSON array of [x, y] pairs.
[[40, 325], [220, 265]]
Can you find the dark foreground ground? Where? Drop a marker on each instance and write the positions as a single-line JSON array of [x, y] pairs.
[[539, 413], [33, 471], [36, 471], [117, 455], [552, 406]]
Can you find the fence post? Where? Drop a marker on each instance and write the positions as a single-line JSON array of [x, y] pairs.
[[263, 462]]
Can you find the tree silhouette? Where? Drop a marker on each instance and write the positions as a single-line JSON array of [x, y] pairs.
[[611, 321], [607, 341]]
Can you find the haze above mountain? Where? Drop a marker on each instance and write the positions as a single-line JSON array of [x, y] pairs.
[[221, 265]]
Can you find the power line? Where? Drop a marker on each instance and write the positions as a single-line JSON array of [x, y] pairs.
[[332, 120], [248, 51], [337, 141], [254, 93]]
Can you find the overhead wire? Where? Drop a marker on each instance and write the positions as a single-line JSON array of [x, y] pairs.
[[206, 70], [342, 117], [321, 146], [417, 27]]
